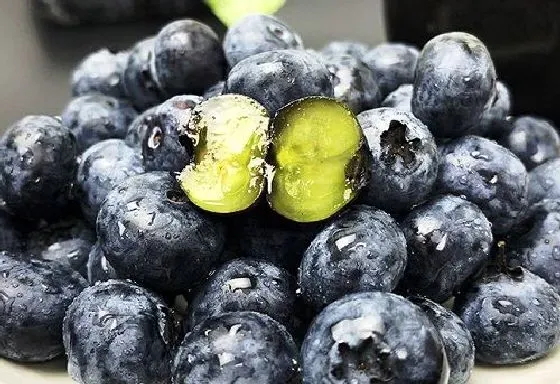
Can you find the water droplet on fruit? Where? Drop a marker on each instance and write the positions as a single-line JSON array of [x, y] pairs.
[[504, 303], [5, 274], [122, 229], [345, 241], [494, 179], [168, 235], [556, 253]]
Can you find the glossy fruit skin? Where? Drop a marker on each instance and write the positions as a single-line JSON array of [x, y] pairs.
[[188, 58], [245, 285], [117, 332], [544, 182], [139, 81], [94, 118], [346, 47], [534, 140], [255, 34], [137, 129], [11, 236], [37, 166], [392, 64], [35, 295], [457, 340], [495, 122], [245, 347], [103, 166], [488, 175], [448, 240], [354, 83], [361, 250], [214, 90], [513, 318], [400, 98], [390, 339], [455, 80], [276, 78], [100, 72], [161, 146], [98, 268], [403, 159], [151, 233]]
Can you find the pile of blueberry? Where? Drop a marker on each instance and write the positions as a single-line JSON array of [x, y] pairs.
[[251, 211]]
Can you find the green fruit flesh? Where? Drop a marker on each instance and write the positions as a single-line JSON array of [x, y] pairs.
[[319, 165], [230, 137]]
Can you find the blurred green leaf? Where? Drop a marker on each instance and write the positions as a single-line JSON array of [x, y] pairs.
[[230, 11]]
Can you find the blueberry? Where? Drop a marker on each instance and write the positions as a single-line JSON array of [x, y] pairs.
[[544, 182], [533, 140], [400, 98], [404, 159], [448, 239], [392, 64], [215, 90], [361, 250], [495, 122], [261, 234], [242, 347], [457, 340], [34, 296], [11, 237], [152, 234], [538, 250], [188, 58], [117, 332], [140, 84], [455, 80], [161, 146], [353, 82], [37, 166], [373, 337], [256, 34], [67, 241], [137, 129], [276, 78], [98, 268], [245, 285], [103, 166], [94, 118], [100, 72], [488, 175], [352, 48], [513, 318]]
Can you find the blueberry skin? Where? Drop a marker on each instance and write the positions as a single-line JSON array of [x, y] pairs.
[[215, 90], [34, 296], [37, 167], [373, 337], [245, 285], [400, 98], [188, 58], [256, 34], [94, 118], [538, 250], [276, 78], [261, 234], [104, 166], [11, 237], [243, 347], [392, 64], [457, 340], [512, 318], [152, 234], [118, 333], [448, 240], [353, 82], [454, 82], [488, 175], [100, 72], [533, 140], [495, 123], [404, 159], [140, 84], [98, 268], [544, 182], [161, 146], [352, 48], [137, 129], [361, 250]]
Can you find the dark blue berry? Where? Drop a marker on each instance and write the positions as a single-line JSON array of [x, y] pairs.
[[98, 267], [544, 182], [495, 122], [352, 48], [400, 98], [215, 90], [137, 129]]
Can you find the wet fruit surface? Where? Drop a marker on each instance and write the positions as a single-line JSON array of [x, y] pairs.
[[319, 165], [230, 138]]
